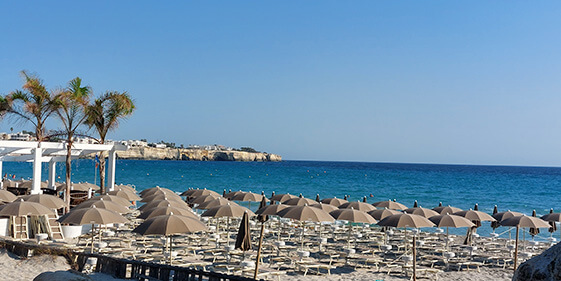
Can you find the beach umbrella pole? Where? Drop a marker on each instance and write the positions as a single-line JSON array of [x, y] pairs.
[[92, 250], [259, 251], [516, 249]]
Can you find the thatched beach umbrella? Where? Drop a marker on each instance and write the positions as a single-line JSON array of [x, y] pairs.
[[408, 220], [524, 222], [168, 225], [334, 201], [46, 200], [357, 205], [390, 205]]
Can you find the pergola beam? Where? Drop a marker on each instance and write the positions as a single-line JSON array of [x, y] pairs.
[[52, 152]]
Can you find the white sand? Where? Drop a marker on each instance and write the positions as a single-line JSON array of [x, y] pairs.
[[14, 268]]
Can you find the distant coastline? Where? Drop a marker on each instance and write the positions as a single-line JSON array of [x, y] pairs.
[[190, 154]]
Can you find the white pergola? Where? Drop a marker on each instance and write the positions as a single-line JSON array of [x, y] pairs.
[[53, 152]]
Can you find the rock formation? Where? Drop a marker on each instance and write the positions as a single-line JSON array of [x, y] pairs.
[[546, 266], [152, 153]]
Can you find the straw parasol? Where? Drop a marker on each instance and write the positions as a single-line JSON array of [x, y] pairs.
[[445, 210], [382, 213], [334, 201], [357, 205], [7, 196], [390, 205], [166, 210], [299, 201], [104, 204], [46, 200], [126, 194], [168, 225], [407, 220], [524, 222], [92, 216], [163, 203], [427, 213]]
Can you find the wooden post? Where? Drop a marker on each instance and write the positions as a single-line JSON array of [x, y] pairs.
[[259, 251], [516, 249], [414, 257]]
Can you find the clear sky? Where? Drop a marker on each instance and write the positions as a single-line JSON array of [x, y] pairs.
[[475, 82]]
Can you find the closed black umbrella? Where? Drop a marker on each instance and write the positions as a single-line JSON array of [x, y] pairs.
[[495, 224], [262, 219], [534, 231], [243, 241]]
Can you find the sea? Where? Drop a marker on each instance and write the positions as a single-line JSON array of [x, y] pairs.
[[521, 189]]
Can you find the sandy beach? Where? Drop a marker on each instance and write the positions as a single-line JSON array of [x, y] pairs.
[[15, 268]]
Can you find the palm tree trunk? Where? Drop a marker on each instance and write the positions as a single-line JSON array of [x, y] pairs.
[[68, 173], [102, 174]]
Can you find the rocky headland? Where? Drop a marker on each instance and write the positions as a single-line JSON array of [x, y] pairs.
[[153, 153]]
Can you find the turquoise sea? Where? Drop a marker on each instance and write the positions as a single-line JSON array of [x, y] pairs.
[[520, 189]]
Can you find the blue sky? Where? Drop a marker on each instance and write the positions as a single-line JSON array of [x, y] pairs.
[[473, 82]]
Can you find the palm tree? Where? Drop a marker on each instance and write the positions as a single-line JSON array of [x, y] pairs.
[[33, 104], [104, 114], [71, 110]]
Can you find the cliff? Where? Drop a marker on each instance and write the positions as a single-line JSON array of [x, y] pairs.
[[152, 153]]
